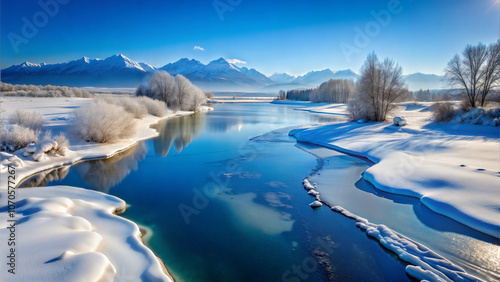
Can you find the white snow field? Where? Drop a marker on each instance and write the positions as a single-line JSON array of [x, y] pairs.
[[454, 169], [68, 233]]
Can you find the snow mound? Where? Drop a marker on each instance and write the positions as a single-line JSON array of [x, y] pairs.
[[71, 234], [9, 159], [316, 204], [307, 184], [399, 121], [313, 192], [424, 265]]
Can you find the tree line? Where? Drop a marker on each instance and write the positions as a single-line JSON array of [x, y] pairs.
[[475, 76]]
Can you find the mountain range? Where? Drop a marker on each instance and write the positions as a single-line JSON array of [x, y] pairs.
[[218, 75]]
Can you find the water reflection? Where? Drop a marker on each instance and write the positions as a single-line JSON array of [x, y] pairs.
[[224, 124], [179, 130], [102, 175], [45, 177]]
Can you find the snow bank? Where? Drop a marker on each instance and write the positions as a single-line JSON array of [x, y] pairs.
[[453, 169], [71, 234], [424, 265], [67, 233]]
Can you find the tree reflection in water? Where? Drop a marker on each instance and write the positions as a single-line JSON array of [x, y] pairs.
[[178, 130], [45, 177], [100, 175]]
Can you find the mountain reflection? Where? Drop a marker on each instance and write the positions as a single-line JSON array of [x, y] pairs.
[[178, 130]]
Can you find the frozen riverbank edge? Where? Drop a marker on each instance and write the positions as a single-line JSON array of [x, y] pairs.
[[424, 263], [68, 233], [453, 169]]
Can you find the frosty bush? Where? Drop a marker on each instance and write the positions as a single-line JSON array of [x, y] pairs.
[[442, 112], [43, 91], [17, 137], [33, 120], [62, 145], [129, 104], [155, 107], [177, 92], [101, 122], [190, 96]]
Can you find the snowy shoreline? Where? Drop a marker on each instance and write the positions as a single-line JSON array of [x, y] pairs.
[[79, 235], [424, 262], [453, 169]]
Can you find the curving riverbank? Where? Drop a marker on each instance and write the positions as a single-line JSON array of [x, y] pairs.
[[452, 169], [74, 232], [426, 262]]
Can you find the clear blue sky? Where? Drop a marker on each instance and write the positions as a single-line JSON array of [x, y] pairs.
[[293, 36]]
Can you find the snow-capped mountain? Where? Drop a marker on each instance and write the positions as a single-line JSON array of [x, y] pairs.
[[218, 75], [317, 77], [282, 78], [114, 71], [183, 66], [424, 81]]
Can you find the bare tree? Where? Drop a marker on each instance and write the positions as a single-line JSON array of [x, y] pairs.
[[476, 71], [281, 95], [380, 86], [491, 70]]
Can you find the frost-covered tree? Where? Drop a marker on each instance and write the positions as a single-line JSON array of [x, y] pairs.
[[476, 71], [380, 86], [177, 92], [190, 96]]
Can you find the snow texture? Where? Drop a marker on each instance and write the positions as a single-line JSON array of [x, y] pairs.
[[453, 169], [425, 264], [68, 233]]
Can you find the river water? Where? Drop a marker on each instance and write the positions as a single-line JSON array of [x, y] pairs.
[[218, 205]]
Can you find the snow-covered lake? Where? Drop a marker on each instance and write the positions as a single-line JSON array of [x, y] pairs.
[[218, 206]]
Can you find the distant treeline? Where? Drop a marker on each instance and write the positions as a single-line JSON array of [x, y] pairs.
[[341, 90], [43, 91], [332, 91]]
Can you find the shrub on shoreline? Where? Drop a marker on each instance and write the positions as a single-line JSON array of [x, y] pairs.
[[155, 107], [129, 104], [33, 120], [444, 112], [177, 92], [43, 91], [17, 137], [101, 122]]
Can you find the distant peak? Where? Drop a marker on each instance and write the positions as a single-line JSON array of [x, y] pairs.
[[221, 60], [346, 71], [85, 59], [28, 64]]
